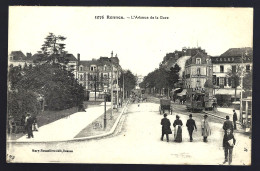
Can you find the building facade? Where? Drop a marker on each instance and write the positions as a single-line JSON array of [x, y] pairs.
[[231, 62], [97, 74], [198, 69]]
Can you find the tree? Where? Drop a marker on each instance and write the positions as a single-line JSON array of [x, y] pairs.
[[234, 76], [58, 86], [53, 49], [129, 80], [173, 76]]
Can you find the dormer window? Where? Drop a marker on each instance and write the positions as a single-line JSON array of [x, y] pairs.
[[93, 68], [198, 61], [81, 68]]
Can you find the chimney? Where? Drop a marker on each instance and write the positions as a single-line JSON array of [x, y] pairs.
[[112, 54], [78, 55], [28, 55]]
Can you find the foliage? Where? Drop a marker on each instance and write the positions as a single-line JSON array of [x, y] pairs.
[[53, 45], [52, 50], [57, 85], [129, 80], [21, 102], [247, 81], [162, 78], [235, 76]]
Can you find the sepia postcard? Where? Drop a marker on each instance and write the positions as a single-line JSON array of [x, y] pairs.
[[129, 85]]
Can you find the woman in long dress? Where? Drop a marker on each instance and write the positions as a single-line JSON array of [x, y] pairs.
[[205, 128], [177, 129]]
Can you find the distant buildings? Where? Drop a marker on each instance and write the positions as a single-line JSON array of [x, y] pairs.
[[197, 68], [230, 61], [139, 79], [94, 75]]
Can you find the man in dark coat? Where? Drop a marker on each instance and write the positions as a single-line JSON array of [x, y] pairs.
[[228, 125], [191, 125], [228, 146], [165, 122], [234, 119], [29, 126]]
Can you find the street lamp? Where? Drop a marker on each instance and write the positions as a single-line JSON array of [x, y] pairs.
[[105, 109]]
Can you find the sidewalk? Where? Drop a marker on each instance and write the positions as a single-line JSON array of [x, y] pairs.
[[223, 112], [65, 128]]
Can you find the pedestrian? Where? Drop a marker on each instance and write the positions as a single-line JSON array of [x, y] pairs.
[[166, 124], [228, 125], [177, 129], [29, 124], [228, 144], [35, 124], [234, 119], [23, 123], [205, 128], [11, 124], [191, 125]]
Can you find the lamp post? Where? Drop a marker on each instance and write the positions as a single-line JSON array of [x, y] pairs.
[[112, 104], [105, 109], [241, 93]]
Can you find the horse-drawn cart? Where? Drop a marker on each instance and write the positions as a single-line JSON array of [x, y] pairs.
[[165, 104]]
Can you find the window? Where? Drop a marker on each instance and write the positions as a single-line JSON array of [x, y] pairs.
[[198, 61], [234, 68], [105, 68], [198, 71], [247, 68], [81, 78], [221, 82], [221, 68], [214, 80], [81, 68]]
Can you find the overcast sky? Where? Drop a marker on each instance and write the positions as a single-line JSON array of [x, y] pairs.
[[140, 44]]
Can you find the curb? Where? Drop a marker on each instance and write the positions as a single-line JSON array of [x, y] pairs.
[[218, 116], [82, 138]]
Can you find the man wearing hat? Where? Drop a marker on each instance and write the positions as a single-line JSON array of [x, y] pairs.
[[205, 128], [29, 124], [165, 122], [228, 125], [191, 125], [234, 119]]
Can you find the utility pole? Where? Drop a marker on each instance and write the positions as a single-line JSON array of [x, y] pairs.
[[241, 93], [95, 76], [117, 89], [112, 104], [105, 109], [123, 86]]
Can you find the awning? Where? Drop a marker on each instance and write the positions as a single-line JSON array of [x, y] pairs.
[[176, 89], [184, 91], [227, 92]]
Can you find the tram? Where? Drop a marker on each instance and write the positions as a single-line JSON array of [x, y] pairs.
[[198, 100]]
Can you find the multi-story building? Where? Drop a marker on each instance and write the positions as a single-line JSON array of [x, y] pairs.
[[17, 58], [230, 61], [97, 74], [198, 70]]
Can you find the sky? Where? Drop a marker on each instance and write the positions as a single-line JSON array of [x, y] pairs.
[[140, 44]]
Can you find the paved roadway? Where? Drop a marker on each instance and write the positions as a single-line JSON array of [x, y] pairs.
[[137, 140]]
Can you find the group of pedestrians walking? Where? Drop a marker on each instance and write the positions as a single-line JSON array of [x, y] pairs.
[[30, 124], [190, 124], [228, 127]]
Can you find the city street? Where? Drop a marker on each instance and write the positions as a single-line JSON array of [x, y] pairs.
[[137, 141]]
